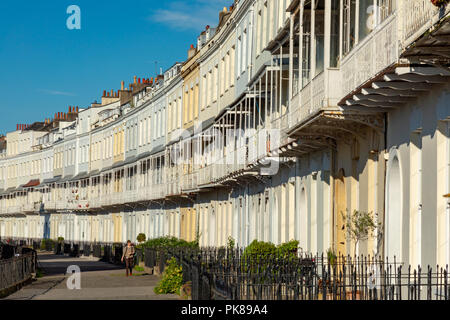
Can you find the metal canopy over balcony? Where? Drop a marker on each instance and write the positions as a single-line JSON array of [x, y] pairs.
[[324, 129], [433, 47], [392, 90]]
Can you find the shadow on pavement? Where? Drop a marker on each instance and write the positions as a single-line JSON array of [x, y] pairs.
[[53, 265]]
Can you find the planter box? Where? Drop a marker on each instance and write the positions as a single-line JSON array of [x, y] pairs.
[[156, 271], [148, 270]]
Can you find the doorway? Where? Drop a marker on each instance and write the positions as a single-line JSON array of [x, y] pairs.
[[394, 210]]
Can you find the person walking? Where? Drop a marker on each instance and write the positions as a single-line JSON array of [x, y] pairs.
[[128, 255]]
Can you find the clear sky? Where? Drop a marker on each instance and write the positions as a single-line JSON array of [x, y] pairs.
[[45, 67]]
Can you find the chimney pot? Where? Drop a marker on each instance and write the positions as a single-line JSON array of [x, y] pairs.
[[135, 79], [104, 93], [122, 85]]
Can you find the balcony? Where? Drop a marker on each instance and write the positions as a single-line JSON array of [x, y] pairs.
[[12, 209], [205, 175], [49, 205], [153, 192], [173, 183], [63, 205], [418, 16], [30, 207], [375, 53], [189, 182]]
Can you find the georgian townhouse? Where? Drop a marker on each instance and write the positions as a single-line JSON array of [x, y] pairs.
[[286, 116]]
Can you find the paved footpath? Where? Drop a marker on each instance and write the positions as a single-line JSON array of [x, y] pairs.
[[99, 281]]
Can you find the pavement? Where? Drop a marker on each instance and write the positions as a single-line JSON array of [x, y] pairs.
[[98, 281]]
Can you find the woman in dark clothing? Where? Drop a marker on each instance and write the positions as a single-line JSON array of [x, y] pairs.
[[128, 255]]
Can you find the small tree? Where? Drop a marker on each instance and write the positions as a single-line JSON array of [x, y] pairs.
[[231, 243], [141, 238], [360, 226]]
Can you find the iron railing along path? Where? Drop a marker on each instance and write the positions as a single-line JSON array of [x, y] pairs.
[[17, 270], [228, 274]]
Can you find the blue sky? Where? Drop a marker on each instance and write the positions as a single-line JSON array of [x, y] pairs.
[[45, 67]]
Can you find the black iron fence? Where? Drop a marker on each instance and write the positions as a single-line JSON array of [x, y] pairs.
[[17, 270], [229, 275]]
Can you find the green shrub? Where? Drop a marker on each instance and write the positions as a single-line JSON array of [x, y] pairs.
[[172, 280], [288, 249], [44, 244], [39, 273], [141, 238], [168, 242], [258, 255], [231, 243], [60, 239], [139, 268], [259, 249]]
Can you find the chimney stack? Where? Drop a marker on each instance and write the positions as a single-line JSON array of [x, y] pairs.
[[122, 85]]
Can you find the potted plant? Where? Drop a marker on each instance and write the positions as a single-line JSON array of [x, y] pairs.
[[332, 258], [360, 226]]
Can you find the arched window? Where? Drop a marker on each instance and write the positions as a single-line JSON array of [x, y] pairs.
[[393, 220]]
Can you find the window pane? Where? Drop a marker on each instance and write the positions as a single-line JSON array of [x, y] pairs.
[[306, 63], [319, 35], [334, 50], [366, 18]]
